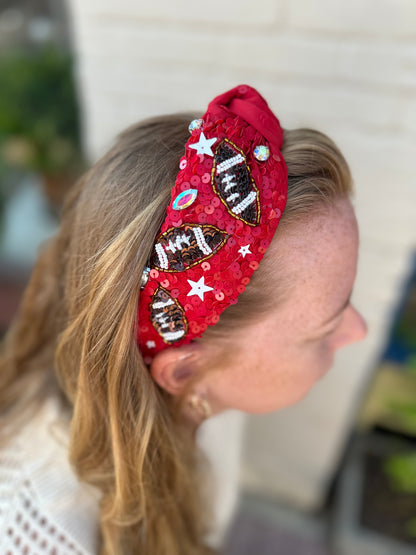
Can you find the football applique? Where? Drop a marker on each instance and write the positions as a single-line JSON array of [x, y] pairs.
[[181, 247], [167, 316], [232, 181]]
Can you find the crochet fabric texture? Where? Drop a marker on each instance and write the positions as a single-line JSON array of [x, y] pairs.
[[43, 507]]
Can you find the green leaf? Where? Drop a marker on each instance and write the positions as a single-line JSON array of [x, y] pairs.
[[38, 103], [401, 470]]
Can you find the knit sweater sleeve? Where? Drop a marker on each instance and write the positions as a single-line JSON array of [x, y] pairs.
[[43, 507]]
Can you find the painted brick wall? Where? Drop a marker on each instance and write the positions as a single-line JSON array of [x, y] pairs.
[[346, 68]]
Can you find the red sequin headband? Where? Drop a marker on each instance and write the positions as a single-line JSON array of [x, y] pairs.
[[225, 206]]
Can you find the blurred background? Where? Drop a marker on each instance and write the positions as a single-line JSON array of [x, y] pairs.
[[335, 474]]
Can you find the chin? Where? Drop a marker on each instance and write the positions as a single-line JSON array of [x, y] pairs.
[[302, 394], [293, 400]]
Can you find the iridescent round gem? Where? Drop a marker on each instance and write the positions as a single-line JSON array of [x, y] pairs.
[[145, 277], [262, 153], [185, 199], [195, 124]]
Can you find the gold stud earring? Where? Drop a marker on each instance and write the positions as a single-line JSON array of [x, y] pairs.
[[201, 405]]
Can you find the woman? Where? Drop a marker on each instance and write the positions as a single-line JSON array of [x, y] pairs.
[[130, 333]]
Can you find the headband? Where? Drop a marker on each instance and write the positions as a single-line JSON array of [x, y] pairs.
[[225, 206]]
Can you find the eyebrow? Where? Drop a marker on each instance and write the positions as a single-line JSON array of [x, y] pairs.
[[338, 312]]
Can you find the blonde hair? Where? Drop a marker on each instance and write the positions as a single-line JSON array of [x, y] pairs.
[[74, 335]]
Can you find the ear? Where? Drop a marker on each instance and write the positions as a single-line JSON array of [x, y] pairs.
[[172, 367]]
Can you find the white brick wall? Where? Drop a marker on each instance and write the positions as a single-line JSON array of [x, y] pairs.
[[346, 68], [216, 12], [385, 18]]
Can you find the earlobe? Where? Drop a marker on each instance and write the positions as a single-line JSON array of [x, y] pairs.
[[173, 368]]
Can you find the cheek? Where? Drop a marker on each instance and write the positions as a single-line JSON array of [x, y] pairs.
[[324, 357], [311, 362], [295, 376], [267, 377], [278, 379]]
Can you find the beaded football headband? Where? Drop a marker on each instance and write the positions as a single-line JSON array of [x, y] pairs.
[[225, 206]]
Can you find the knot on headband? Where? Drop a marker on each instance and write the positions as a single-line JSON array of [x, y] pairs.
[[225, 206]]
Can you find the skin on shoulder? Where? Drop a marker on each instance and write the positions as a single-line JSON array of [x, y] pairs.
[[277, 360]]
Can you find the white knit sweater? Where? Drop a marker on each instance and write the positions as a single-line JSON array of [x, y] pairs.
[[45, 509]]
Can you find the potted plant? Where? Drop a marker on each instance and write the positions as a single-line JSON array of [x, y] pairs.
[[373, 515], [39, 120]]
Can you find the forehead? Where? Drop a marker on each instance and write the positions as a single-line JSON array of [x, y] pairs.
[[318, 257]]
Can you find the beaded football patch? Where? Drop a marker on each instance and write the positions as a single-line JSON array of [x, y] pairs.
[[181, 247], [232, 181], [167, 316]]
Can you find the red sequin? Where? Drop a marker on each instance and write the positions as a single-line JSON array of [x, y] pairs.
[[205, 289]]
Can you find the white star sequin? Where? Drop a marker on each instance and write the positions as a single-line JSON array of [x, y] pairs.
[[198, 288], [203, 146], [150, 344], [245, 250]]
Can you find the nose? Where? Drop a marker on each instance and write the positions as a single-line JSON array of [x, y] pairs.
[[357, 325]]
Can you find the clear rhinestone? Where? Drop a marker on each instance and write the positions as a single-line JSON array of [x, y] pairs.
[[145, 276], [262, 153], [195, 124]]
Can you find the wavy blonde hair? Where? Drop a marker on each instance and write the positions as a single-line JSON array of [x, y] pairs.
[[74, 336]]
